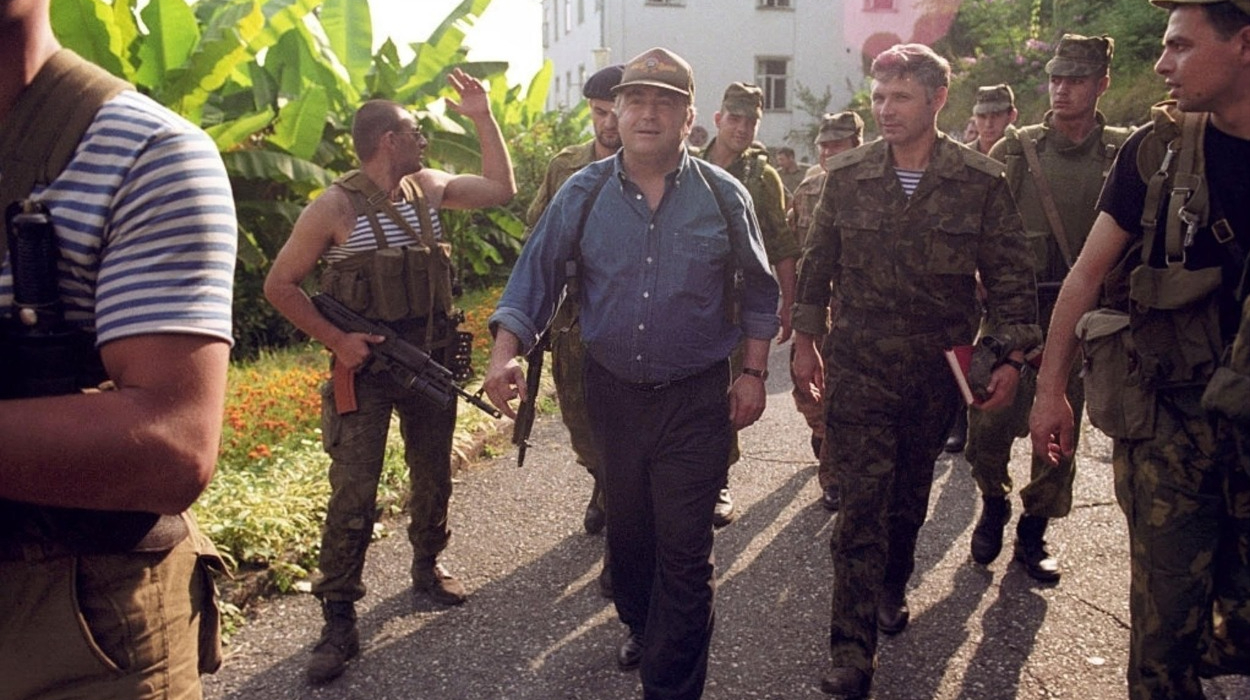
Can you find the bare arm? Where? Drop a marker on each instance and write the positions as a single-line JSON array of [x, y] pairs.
[[1051, 423], [326, 220], [151, 445], [787, 280], [496, 185]]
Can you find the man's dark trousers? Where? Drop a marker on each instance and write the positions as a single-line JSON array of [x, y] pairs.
[[664, 453]]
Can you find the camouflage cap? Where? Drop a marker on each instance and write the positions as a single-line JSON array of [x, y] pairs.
[[660, 68], [994, 98], [599, 86], [1243, 5], [1078, 55], [843, 125], [743, 99]]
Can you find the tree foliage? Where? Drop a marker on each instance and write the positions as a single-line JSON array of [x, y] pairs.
[[1010, 41], [275, 84]]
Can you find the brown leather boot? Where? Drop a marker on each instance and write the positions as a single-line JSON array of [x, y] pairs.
[[432, 579], [339, 643]]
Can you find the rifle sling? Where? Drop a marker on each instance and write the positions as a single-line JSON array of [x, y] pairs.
[[1029, 146]]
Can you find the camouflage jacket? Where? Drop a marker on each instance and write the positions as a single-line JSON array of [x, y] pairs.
[[915, 260], [565, 163], [768, 197], [803, 205], [1075, 173]]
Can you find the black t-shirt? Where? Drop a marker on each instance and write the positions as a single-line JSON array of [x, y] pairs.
[[1228, 177]]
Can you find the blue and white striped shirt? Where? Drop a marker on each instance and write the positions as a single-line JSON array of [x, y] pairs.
[[146, 227]]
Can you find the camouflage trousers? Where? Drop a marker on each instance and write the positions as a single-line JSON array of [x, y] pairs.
[[891, 402], [568, 358], [990, 436], [356, 443], [1186, 495]]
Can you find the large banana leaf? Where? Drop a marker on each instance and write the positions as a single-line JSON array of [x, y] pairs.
[[278, 168], [88, 27], [301, 123], [172, 34], [349, 28]]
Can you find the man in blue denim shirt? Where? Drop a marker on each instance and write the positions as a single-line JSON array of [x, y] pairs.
[[660, 239]]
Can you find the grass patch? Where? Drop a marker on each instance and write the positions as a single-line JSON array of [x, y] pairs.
[[265, 506]]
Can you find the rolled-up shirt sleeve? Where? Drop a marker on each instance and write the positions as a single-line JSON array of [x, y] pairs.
[[760, 292]]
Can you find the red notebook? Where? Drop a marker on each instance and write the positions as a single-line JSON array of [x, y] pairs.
[[960, 360]]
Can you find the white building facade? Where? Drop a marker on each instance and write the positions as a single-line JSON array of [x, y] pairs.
[[776, 44]]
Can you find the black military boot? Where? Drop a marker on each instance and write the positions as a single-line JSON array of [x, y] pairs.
[[987, 536], [339, 642], [959, 433], [1031, 549]]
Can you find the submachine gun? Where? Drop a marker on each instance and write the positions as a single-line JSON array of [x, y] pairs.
[[526, 410], [412, 366]]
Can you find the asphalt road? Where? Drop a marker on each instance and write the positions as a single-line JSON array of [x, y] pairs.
[[536, 628]]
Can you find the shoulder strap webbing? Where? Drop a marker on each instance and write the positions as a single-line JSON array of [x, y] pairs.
[[40, 134], [1029, 146]]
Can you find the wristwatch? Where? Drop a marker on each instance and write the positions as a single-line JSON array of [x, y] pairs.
[[1014, 363], [761, 373]]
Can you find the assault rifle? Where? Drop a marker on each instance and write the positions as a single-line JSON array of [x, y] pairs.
[[412, 366], [525, 412]]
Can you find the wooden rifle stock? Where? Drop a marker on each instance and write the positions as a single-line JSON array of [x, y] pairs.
[[344, 389]]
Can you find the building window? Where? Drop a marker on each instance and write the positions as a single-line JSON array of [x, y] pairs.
[[568, 16], [773, 76], [556, 93], [879, 6], [555, 20], [775, 3], [581, 74], [667, 2], [581, 11], [568, 89]]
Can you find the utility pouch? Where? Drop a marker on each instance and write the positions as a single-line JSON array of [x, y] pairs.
[[209, 564], [1228, 394], [1174, 315], [389, 285], [1116, 400], [348, 281]]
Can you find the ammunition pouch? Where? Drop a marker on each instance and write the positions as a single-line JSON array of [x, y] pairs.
[[1174, 318], [1228, 392], [392, 284], [1117, 402]]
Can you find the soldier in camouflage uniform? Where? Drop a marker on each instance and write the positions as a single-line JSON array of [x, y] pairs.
[[348, 228], [735, 149], [838, 132], [1183, 486], [1074, 148], [993, 111], [903, 229], [567, 353]]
